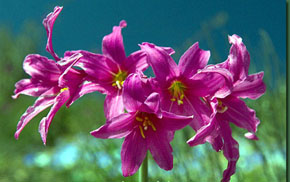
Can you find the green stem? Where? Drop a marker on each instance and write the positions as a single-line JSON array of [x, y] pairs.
[[143, 171]]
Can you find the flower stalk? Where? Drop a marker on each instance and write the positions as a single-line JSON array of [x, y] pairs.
[[143, 173]]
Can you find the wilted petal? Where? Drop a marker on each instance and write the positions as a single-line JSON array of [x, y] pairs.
[[174, 122], [113, 105], [160, 148], [28, 87], [252, 87], [230, 150], [162, 64], [40, 104], [240, 114], [193, 60], [113, 46], [41, 68], [118, 127], [133, 153], [46, 121], [48, 23]]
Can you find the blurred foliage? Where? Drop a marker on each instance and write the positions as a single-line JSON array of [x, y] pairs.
[[73, 155]]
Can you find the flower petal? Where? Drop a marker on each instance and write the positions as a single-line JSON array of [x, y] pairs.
[[41, 68], [118, 127], [240, 114], [162, 64], [40, 104], [172, 122], [113, 46], [113, 105], [152, 105], [252, 87], [44, 124], [48, 23], [136, 61], [193, 60], [28, 87], [160, 148], [230, 150], [133, 153]]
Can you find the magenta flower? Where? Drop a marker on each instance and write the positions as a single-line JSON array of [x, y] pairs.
[[231, 108], [181, 86], [54, 83], [145, 126], [112, 68]]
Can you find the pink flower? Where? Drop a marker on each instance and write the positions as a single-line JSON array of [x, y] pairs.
[[54, 83], [181, 86], [231, 108], [145, 126], [112, 68]]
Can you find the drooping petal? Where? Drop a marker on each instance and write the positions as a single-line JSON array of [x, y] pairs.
[[85, 88], [136, 61], [97, 66], [133, 153], [240, 114], [174, 122], [113, 105], [41, 68], [48, 23], [162, 64], [44, 124], [28, 87], [193, 60], [230, 150], [113, 46], [160, 148], [238, 61], [40, 104], [118, 127], [252, 87], [152, 105]]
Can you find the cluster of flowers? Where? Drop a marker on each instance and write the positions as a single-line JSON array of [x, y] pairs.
[[147, 111]]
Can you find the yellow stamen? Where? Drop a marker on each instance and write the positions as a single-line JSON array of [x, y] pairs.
[[119, 78], [152, 125], [141, 131], [221, 107], [139, 119], [63, 89], [176, 90]]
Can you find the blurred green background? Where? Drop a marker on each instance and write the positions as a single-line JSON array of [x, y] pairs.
[[72, 154]]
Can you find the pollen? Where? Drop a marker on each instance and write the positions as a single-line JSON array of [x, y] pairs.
[[64, 89], [177, 89], [221, 108], [144, 124], [119, 78]]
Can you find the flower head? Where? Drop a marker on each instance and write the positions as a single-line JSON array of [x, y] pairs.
[[145, 126]]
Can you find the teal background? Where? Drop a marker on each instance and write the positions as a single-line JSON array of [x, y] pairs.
[[72, 154]]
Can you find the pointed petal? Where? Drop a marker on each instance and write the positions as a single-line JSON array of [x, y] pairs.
[[173, 122], [193, 60], [28, 87], [113, 46], [48, 23], [169, 50], [201, 135], [252, 87], [113, 105], [160, 148], [46, 121], [133, 153], [40, 104], [240, 114], [41, 68], [230, 150], [85, 88], [118, 127], [136, 61], [162, 64]]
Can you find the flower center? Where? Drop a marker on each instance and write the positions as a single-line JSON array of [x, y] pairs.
[[119, 79], [144, 123], [176, 90], [63, 89], [221, 108]]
